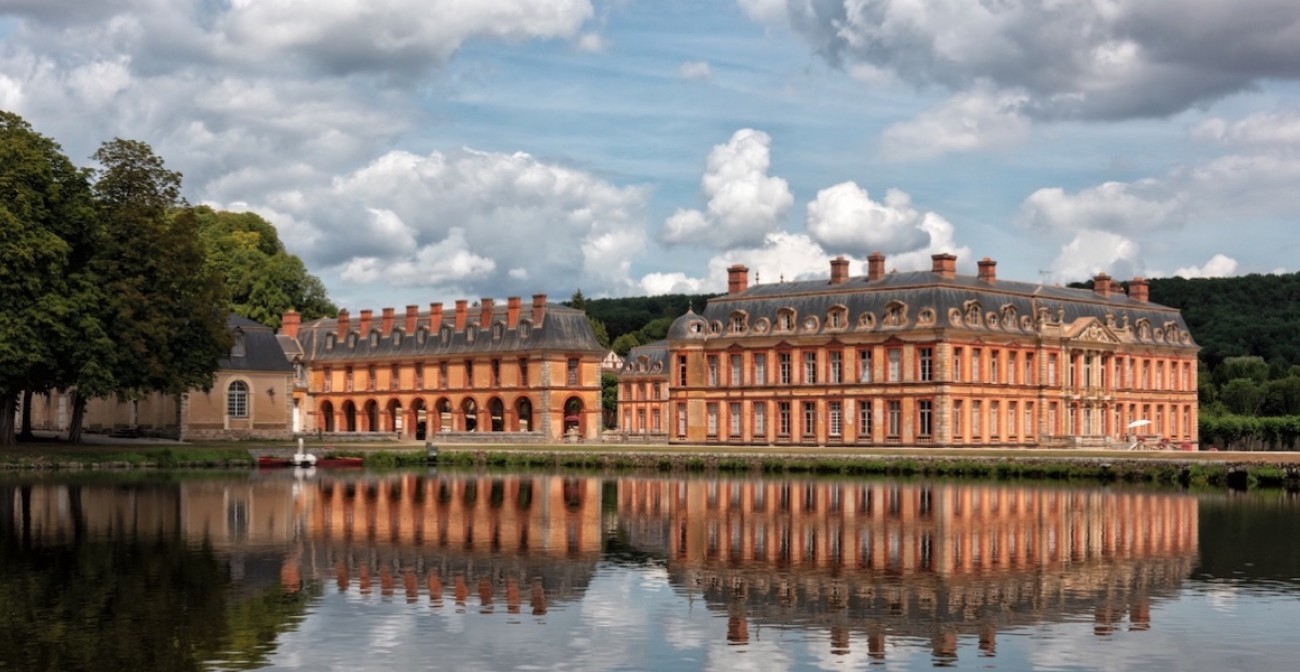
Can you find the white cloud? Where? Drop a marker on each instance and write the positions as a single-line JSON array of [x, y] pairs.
[[1112, 206], [1267, 129], [844, 218], [445, 263], [967, 122], [1092, 252], [745, 204], [1219, 266], [698, 71], [592, 43]]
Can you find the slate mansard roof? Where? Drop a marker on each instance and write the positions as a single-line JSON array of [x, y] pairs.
[[561, 329], [261, 348], [651, 358], [921, 300]]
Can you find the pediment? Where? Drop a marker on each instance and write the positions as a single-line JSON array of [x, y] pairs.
[[1091, 330]]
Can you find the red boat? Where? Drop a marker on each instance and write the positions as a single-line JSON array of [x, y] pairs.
[[271, 461]]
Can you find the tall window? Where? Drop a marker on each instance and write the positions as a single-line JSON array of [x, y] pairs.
[[976, 414], [809, 418], [956, 365], [469, 373], [895, 373], [442, 375], [393, 377], [734, 418], [865, 425], [1051, 369], [783, 367], [419, 375], [926, 364], [329, 380], [1029, 418], [573, 371], [835, 369], [523, 372], [810, 368], [237, 399], [347, 379], [1029, 369], [654, 420], [681, 420], [713, 370], [760, 369], [994, 358], [957, 429], [925, 417], [1011, 419], [783, 418], [895, 420], [496, 373], [994, 412], [760, 419], [864, 366], [975, 356], [835, 418], [737, 371], [711, 415], [1012, 367], [681, 370]]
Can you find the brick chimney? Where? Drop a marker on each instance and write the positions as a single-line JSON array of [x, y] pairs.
[[875, 266], [512, 312], [839, 270], [366, 316], [988, 270], [944, 265], [289, 323], [435, 317], [539, 309], [1101, 285], [485, 313], [412, 319], [1137, 289], [737, 278], [462, 310], [343, 324], [386, 323]]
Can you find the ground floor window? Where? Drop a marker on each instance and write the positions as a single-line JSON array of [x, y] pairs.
[[865, 426], [783, 418], [237, 399], [895, 427], [835, 418]]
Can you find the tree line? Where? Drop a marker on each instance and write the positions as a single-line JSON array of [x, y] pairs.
[[113, 285]]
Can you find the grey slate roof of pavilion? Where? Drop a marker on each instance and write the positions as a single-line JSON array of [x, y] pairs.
[[648, 359], [923, 289], [562, 329], [262, 350]]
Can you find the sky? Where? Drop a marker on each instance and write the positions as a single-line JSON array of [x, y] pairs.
[[413, 151]]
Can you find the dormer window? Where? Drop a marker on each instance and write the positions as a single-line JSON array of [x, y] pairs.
[[352, 340], [238, 348], [738, 320], [445, 334], [524, 328], [470, 332], [785, 320], [421, 336], [837, 317], [498, 330], [374, 339], [397, 338], [329, 342]]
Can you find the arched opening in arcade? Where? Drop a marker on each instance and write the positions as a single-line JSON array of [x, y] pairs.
[[444, 415], [524, 415], [497, 413], [349, 416], [469, 408], [326, 422], [394, 419], [574, 419], [372, 416], [419, 420]]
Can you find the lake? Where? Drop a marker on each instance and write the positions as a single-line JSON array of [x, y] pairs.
[[357, 570]]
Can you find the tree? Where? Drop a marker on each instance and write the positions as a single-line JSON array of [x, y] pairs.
[[609, 398], [624, 344], [48, 232]]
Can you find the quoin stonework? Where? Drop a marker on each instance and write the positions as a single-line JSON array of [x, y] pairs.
[[916, 358]]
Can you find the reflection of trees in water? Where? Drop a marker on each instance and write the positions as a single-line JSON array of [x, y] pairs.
[[1250, 537]]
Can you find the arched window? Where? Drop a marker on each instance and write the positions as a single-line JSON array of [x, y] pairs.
[[237, 399]]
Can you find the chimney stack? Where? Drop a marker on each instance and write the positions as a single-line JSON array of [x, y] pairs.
[[875, 266], [1101, 285], [485, 313], [944, 265], [412, 319], [365, 323], [343, 324], [386, 323], [988, 271], [512, 312], [839, 270], [289, 323], [435, 317], [539, 309], [737, 279], [1137, 289], [462, 310]]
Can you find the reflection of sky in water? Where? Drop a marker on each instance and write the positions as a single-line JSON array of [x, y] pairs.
[[630, 617]]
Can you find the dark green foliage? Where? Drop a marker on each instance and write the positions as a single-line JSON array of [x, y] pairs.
[[1246, 315], [635, 314]]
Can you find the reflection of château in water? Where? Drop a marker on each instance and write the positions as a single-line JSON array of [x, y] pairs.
[[869, 558], [930, 561]]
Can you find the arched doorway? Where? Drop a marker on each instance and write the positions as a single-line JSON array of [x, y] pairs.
[[444, 422], [372, 416], [469, 407], [574, 418], [419, 420], [326, 420], [497, 413], [349, 416], [524, 415], [395, 416]]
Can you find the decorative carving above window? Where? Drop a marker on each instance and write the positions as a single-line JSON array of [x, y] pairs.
[[1008, 316], [973, 312], [954, 317], [895, 315], [867, 321], [810, 323], [762, 325], [739, 321], [715, 327], [925, 318], [785, 319]]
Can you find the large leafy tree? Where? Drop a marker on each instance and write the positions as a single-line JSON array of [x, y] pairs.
[[263, 279], [49, 332]]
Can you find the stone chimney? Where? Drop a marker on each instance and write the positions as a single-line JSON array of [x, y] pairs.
[[343, 324], [988, 271], [839, 270], [412, 319], [462, 310], [1101, 285], [435, 317], [875, 266], [485, 313], [539, 309], [737, 278], [944, 265], [289, 323], [366, 315], [1137, 289], [386, 323], [512, 312]]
